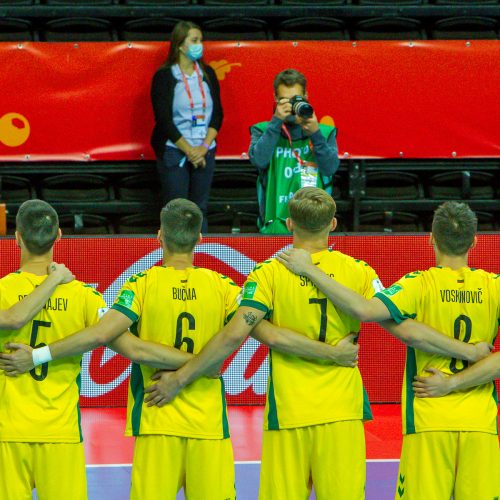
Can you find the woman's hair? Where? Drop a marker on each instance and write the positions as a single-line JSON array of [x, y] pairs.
[[179, 34]]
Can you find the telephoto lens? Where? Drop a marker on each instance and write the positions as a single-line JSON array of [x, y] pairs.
[[301, 107]]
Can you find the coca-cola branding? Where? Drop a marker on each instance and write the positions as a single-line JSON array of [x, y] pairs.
[[107, 263]]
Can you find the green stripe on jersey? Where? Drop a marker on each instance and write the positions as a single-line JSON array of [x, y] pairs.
[[367, 411], [79, 385], [137, 387], [411, 371], [225, 425], [272, 416]]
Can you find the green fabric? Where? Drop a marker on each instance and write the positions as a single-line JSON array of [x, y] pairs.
[[282, 180]]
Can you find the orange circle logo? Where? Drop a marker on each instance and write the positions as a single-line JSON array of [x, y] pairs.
[[14, 129]]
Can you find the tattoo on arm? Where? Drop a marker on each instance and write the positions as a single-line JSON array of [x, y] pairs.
[[250, 318]]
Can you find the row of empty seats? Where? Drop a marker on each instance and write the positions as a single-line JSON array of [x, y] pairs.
[[302, 28], [233, 186], [390, 3], [82, 223], [385, 199]]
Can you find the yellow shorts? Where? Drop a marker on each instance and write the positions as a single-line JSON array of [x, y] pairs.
[[164, 464], [330, 456], [437, 465], [56, 470]]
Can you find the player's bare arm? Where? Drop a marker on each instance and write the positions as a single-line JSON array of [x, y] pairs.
[[19, 314], [299, 262], [425, 338], [439, 384], [149, 353], [24, 357], [344, 353], [212, 355]]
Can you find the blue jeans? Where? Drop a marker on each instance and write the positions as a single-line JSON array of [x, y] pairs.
[[186, 181]]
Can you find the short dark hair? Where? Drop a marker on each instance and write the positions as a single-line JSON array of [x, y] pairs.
[[311, 209], [289, 78], [453, 227], [181, 225], [38, 224]]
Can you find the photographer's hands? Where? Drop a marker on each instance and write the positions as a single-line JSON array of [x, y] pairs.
[[309, 125], [283, 109]]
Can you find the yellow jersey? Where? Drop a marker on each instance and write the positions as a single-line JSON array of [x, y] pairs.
[[182, 309], [42, 406], [464, 304], [303, 392]]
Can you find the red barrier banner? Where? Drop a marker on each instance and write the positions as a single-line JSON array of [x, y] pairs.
[[107, 262], [90, 101]]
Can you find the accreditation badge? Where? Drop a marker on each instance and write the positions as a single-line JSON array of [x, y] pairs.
[[308, 175]]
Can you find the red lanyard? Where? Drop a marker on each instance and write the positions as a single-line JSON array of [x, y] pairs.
[[188, 91], [289, 137]]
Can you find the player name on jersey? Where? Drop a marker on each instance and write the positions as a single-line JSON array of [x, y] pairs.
[[183, 293], [307, 282], [53, 304], [462, 296]]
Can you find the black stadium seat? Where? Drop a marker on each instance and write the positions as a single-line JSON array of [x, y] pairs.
[[312, 28], [84, 224], [75, 187], [139, 187], [15, 189], [393, 185], [244, 28], [16, 30], [139, 224], [78, 29], [148, 28], [389, 28], [390, 222], [462, 185], [465, 28], [156, 2]]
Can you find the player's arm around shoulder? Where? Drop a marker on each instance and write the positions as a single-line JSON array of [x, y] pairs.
[[214, 353], [19, 314], [356, 305], [23, 358]]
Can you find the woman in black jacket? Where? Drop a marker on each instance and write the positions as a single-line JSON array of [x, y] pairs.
[[188, 114]]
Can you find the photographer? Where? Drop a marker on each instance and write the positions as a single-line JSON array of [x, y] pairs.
[[291, 151]]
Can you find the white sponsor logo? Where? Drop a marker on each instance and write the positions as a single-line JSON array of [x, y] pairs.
[[234, 376]]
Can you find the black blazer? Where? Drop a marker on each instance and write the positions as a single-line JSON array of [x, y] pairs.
[[162, 97]]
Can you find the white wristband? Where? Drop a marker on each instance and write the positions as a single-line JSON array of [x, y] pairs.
[[41, 355]]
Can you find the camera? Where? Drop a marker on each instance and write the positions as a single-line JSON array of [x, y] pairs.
[[301, 107]]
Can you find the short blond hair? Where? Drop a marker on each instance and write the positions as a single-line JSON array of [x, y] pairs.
[[312, 209], [181, 225]]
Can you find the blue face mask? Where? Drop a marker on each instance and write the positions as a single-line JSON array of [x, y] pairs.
[[195, 51]]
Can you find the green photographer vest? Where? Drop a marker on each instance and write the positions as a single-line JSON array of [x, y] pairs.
[[282, 180]]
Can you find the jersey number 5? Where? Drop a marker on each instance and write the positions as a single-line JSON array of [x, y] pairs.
[[44, 368]]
